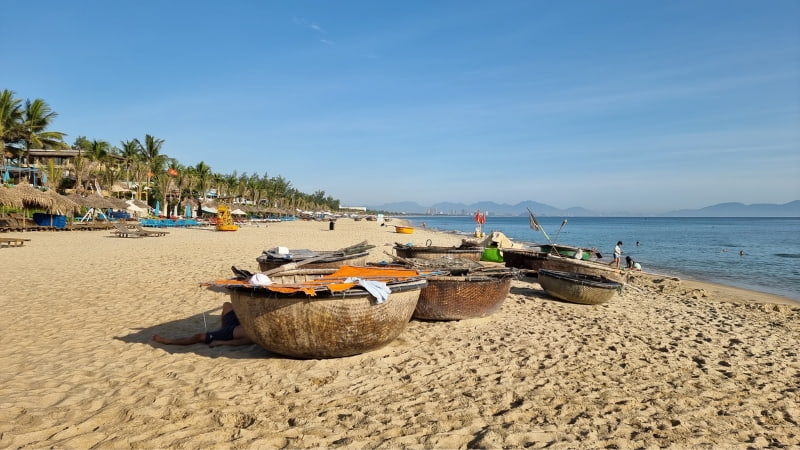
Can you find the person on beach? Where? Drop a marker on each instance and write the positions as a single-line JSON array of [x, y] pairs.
[[617, 255], [231, 333], [632, 265]]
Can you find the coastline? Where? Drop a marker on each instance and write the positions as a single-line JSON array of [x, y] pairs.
[[667, 362], [735, 292]]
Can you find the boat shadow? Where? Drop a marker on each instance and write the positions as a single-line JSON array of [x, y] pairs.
[[538, 293], [189, 326]]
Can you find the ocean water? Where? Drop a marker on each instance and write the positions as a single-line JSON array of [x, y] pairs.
[[705, 249]]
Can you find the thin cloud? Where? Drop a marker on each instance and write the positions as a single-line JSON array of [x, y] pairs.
[[310, 25]]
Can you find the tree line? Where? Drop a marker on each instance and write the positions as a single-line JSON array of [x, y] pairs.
[[25, 125]]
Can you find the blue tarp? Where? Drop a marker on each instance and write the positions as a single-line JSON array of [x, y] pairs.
[[120, 215], [50, 220]]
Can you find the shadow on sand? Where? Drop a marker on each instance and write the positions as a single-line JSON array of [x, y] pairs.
[[192, 325]]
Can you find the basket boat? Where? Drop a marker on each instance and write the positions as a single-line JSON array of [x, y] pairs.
[[577, 287], [523, 259], [465, 251], [403, 229], [560, 263], [533, 260], [442, 265], [315, 313], [463, 297], [457, 288], [355, 255]]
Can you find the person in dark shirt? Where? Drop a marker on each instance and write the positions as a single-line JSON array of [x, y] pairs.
[[231, 333]]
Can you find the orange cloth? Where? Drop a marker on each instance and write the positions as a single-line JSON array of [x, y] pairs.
[[333, 282]]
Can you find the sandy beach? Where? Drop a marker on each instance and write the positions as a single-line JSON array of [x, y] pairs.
[[668, 363]]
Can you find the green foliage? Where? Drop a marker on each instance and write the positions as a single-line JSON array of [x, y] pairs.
[[25, 125]]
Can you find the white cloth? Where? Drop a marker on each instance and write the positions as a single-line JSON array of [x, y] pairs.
[[378, 289], [259, 279]]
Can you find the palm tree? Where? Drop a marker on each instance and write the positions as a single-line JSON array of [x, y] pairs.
[[203, 173], [99, 157], [82, 145], [150, 153], [36, 118], [129, 153], [10, 121]]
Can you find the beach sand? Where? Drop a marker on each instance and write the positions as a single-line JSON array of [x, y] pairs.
[[667, 363]]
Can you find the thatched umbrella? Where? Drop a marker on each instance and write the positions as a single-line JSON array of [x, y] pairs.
[[50, 200], [32, 197], [61, 204], [8, 198], [80, 199], [98, 201], [117, 203], [138, 203]]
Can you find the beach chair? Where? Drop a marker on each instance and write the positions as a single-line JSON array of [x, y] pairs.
[[122, 230], [145, 232], [12, 242]]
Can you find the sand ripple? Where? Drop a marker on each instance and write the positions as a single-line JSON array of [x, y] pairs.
[[662, 365]]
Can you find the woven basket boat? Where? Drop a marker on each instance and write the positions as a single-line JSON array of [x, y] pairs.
[[446, 265], [463, 297], [578, 288], [429, 251], [315, 318], [533, 260], [523, 259], [560, 263], [355, 255]]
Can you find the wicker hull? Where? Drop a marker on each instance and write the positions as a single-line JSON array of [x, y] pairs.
[[559, 263], [434, 252], [325, 326], [578, 288], [524, 259], [461, 297], [332, 262]]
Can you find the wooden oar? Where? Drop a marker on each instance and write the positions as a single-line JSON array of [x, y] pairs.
[[294, 265], [402, 260]]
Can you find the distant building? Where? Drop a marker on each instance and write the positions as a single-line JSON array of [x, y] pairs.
[[354, 208]]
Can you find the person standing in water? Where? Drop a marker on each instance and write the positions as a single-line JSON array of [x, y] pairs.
[[617, 255]]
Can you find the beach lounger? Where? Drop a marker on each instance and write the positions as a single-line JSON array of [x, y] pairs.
[[12, 242], [122, 230], [151, 232]]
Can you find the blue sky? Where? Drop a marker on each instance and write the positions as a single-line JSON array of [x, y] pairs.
[[629, 106]]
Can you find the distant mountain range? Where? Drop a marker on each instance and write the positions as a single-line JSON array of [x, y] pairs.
[[791, 209]]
